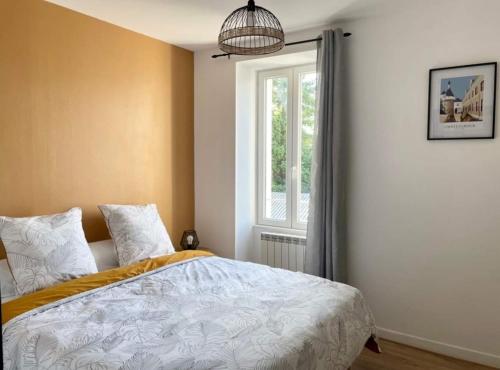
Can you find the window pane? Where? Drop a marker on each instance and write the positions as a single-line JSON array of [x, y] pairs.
[[276, 148], [306, 127]]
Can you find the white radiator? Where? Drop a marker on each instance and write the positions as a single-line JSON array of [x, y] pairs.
[[283, 251]]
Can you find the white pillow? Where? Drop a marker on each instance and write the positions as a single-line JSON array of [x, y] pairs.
[[7, 283], [137, 231], [46, 250], [105, 258]]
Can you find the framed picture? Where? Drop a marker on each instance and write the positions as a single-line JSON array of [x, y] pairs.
[[462, 102]]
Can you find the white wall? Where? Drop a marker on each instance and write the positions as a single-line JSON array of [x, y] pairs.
[[424, 217], [214, 112], [245, 202]]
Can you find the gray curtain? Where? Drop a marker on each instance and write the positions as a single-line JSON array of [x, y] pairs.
[[326, 250]]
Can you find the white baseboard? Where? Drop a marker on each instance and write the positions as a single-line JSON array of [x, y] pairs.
[[451, 350]]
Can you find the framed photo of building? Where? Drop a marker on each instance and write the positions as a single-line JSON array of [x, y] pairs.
[[462, 102]]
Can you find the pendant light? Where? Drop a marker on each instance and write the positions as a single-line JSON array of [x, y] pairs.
[[251, 30]]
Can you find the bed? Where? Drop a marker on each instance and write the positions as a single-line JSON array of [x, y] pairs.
[[189, 310]]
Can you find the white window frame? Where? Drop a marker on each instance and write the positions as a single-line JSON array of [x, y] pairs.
[[294, 131]]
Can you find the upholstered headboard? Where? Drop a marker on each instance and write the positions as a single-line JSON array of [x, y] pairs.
[[92, 113]]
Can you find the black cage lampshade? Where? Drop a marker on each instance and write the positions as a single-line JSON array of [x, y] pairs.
[[251, 30]]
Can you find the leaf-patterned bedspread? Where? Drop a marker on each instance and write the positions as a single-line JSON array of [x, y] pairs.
[[206, 313]]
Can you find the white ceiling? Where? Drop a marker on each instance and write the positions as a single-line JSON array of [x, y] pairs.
[[195, 24]]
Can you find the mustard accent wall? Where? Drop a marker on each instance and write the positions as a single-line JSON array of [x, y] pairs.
[[91, 113]]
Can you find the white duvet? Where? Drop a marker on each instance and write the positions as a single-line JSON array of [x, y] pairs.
[[205, 313]]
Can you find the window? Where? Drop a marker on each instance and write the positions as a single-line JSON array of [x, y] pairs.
[[286, 117]]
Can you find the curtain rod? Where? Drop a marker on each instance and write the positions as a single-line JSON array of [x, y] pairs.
[[347, 34]]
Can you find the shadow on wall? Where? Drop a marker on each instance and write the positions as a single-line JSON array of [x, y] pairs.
[[182, 148]]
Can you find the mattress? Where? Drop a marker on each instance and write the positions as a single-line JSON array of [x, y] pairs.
[[199, 312]]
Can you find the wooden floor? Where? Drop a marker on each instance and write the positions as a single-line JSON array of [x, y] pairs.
[[396, 356]]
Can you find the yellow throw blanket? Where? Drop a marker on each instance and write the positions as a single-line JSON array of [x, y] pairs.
[[28, 302]]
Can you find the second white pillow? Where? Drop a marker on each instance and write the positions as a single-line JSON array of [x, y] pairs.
[[137, 231]]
